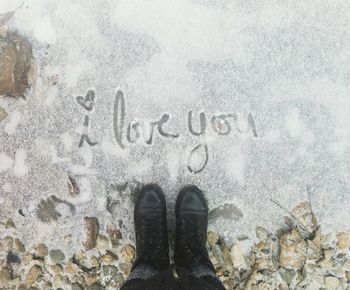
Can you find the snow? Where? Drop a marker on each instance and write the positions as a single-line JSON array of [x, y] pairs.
[[20, 169], [14, 120], [280, 70], [5, 162]]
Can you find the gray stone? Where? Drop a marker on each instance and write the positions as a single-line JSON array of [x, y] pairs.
[[287, 274], [76, 286], [109, 273], [56, 256]]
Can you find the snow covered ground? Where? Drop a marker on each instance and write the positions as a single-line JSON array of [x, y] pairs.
[[249, 100]]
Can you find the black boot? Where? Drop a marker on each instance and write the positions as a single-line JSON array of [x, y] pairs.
[[152, 247], [191, 231]]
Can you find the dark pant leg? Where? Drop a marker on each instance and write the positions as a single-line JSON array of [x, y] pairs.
[[161, 281]]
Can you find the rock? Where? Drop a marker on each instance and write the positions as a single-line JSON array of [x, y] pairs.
[[331, 282], [40, 250], [266, 254], [314, 250], [303, 220], [56, 256], [128, 253], [102, 242], [13, 258], [95, 286], [226, 254], [343, 240], [114, 235], [237, 257], [73, 188], [117, 281], [91, 232], [15, 63], [125, 268], [261, 233], [293, 250], [347, 275], [3, 31], [76, 286], [70, 268], [33, 274], [3, 114], [108, 259], [218, 257], [57, 281], [91, 279], [287, 274], [109, 273], [9, 224], [19, 246], [8, 243], [213, 238], [5, 277], [57, 269]]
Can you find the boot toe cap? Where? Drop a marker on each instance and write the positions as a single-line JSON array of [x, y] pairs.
[[191, 198]]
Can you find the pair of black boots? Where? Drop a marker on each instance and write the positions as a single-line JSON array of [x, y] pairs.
[[151, 230]]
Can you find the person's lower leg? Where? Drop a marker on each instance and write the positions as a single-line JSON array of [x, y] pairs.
[[152, 251], [191, 236]]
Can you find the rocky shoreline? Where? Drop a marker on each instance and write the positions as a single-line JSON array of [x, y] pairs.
[[296, 257]]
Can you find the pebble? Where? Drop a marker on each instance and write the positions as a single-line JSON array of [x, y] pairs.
[[9, 224], [15, 61], [347, 275], [114, 235], [3, 31], [102, 242], [13, 258], [343, 241], [3, 114], [262, 233], [108, 259], [33, 275], [8, 243], [57, 269], [331, 282], [287, 274], [40, 250], [19, 246], [76, 286], [91, 232], [70, 268], [305, 222], [237, 257], [128, 253], [213, 238], [56, 256], [293, 250], [109, 273], [5, 276]]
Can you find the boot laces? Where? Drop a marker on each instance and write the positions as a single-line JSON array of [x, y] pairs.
[[195, 243], [151, 238]]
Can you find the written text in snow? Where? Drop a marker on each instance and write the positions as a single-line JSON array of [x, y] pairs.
[[138, 132]]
